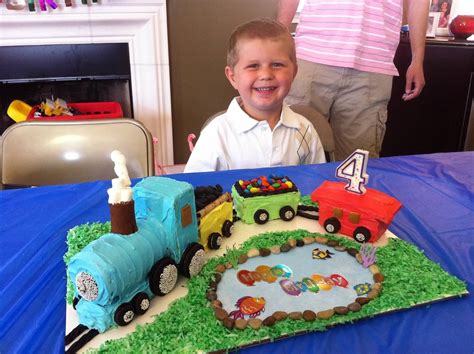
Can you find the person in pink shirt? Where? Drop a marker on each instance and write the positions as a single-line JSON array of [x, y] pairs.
[[345, 51]]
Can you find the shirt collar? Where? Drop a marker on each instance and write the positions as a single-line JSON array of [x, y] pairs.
[[245, 123]]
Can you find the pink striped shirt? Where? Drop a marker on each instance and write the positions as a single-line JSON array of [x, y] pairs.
[[359, 34]]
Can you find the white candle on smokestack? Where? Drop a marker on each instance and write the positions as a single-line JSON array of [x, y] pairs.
[[121, 190], [122, 210]]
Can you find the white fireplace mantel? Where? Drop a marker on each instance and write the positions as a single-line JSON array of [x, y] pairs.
[[141, 24]]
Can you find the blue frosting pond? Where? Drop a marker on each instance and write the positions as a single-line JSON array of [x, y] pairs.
[[300, 261]]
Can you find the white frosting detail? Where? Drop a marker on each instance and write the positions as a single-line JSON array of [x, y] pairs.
[[121, 190], [144, 304], [87, 286], [168, 278], [197, 262]]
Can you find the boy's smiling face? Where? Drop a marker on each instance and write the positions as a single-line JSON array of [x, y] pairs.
[[263, 75]]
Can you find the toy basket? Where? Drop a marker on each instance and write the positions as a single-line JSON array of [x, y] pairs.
[[89, 110]]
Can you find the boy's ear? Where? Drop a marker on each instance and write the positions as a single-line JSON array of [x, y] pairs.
[[229, 73]]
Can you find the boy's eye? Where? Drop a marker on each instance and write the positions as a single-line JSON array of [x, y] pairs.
[[252, 66], [277, 65]]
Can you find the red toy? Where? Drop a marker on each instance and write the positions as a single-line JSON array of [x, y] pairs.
[[362, 216]]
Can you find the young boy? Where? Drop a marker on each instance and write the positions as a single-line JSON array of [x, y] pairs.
[[258, 129]]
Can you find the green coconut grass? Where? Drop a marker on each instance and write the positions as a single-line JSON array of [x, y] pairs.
[[189, 324], [306, 200]]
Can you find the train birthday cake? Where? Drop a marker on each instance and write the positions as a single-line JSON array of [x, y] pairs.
[[160, 228]]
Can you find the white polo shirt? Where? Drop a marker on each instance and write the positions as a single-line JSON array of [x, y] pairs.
[[234, 140]]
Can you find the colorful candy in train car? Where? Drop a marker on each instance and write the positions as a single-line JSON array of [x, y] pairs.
[[264, 184], [265, 198]]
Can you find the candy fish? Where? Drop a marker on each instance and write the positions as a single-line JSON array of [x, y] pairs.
[[320, 254], [362, 289], [248, 306]]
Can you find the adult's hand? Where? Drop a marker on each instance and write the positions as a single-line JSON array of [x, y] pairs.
[[415, 81], [417, 20]]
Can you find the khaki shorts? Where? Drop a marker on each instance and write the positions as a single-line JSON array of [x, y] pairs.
[[355, 103]]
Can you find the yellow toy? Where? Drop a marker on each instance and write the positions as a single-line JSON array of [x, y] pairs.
[[19, 110]]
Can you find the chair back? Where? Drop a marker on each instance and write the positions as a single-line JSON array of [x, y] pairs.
[[37, 153], [322, 126]]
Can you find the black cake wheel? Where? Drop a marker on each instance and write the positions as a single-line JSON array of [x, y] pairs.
[[193, 260], [141, 303], [227, 228], [287, 213], [214, 241], [332, 225], [361, 234], [124, 314], [163, 276], [261, 216]]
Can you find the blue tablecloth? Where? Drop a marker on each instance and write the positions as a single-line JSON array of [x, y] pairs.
[[437, 192]]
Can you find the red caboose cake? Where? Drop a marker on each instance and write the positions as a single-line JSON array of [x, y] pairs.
[[362, 216]]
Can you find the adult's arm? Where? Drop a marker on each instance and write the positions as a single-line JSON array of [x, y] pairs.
[[286, 11], [417, 21]]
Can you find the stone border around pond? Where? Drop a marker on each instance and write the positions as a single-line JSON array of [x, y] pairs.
[[307, 315]]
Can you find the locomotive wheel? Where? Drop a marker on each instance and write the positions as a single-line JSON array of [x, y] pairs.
[[163, 276], [214, 241], [227, 228], [141, 303], [193, 260], [261, 216], [332, 225], [287, 213], [361, 234], [124, 314]]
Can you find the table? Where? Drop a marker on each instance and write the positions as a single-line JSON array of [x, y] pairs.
[[437, 192]]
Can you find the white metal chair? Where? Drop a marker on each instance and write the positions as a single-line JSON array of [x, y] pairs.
[[37, 153]]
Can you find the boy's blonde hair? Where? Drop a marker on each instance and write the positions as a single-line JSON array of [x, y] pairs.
[[263, 28]]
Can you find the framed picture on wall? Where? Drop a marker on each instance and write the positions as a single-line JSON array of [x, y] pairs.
[[433, 19]]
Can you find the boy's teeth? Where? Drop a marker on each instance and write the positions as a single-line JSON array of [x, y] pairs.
[[264, 88]]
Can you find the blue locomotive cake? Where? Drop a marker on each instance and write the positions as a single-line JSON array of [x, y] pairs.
[[154, 237]]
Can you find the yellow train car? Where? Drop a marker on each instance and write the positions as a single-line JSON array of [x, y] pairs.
[[215, 221]]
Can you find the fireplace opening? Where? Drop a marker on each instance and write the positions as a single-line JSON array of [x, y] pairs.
[[74, 73]]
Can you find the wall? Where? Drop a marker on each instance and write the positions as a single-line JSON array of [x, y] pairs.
[[198, 34]]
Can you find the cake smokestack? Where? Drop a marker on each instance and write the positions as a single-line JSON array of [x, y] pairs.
[[122, 208]]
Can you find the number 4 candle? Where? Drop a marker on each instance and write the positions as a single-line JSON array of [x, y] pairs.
[[354, 169]]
